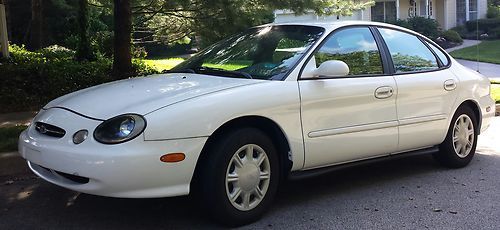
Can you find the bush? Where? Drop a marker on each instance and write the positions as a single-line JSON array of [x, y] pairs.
[[452, 36], [483, 25], [493, 11], [31, 79], [426, 26]]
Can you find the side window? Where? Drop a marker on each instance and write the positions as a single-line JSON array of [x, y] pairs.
[[408, 53], [354, 46], [442, 57]]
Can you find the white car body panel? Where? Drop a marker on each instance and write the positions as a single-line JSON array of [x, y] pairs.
[[336, 111], [424, 108], [143, 94], [325, 122]]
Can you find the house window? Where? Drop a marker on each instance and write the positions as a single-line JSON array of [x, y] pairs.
[[384, 11], [466, 10], [472, 9], [425, 10]]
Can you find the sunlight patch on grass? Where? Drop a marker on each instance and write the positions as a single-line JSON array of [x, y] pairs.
[[495, 92], [163, 64]]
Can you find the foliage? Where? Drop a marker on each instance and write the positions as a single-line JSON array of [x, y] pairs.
[[426, 26], [489, 51], [31, 79], [452, 36], [9, 137], [359, 62], [483, 25], [493, 11]]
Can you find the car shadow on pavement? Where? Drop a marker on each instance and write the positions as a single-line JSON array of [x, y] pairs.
[[28, 201]]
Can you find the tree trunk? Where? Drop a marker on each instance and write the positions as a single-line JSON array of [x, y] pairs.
[[35, 33], [122, 59], [84, 52]]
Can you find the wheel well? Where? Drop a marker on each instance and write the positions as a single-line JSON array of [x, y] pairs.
[[266, 125], [477, 112]]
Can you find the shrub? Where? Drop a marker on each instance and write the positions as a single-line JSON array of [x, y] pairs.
[[452, 36], [31, 79], [483, 25], [493, 11], [426, 26]]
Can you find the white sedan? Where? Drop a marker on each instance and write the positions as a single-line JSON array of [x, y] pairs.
[[276, 101]]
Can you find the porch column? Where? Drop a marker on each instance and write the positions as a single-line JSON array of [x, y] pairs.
[[397, 9], [427, 8], [4, 42]]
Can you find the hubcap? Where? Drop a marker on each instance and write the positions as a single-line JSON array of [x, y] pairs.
[[463, 136], [247, 177]]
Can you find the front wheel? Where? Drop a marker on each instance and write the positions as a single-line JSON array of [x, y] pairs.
[[240, 177], [460, 144]]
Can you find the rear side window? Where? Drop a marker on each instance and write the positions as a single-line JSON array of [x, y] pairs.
[[408, 53], [442, 57], [354, 46]]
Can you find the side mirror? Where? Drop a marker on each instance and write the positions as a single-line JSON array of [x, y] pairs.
[[332, 68]]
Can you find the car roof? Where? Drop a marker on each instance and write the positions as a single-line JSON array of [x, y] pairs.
[[332, 25]]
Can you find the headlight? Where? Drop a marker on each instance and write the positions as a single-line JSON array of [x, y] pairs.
[[120, 129]]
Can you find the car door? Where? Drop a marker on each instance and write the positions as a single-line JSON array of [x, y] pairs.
[[426, 89], [352, 117]]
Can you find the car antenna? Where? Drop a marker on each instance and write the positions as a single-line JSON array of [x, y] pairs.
[[477, 45]]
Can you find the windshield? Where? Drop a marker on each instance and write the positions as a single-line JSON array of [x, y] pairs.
[[268, 53]]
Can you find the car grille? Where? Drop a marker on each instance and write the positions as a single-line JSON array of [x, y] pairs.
[[49, 130]]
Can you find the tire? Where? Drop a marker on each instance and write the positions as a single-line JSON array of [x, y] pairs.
[[459, 153], [223, 175]]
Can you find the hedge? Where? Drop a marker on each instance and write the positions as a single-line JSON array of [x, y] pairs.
[[32, 79]]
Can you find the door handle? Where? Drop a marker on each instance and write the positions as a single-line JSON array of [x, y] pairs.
[[450, 85], [383, 92]]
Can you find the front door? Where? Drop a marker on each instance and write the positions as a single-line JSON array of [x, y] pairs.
[[348, 118]]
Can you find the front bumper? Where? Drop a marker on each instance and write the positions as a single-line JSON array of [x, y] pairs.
[[131, 169]]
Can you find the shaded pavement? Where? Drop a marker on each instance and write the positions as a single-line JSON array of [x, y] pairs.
[[407, 193]]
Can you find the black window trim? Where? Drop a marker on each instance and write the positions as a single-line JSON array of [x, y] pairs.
[[421, 39], [383, 55]]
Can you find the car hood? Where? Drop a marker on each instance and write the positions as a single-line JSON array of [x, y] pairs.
[[144, 94]]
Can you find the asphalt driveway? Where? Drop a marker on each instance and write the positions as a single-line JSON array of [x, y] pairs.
[[408, 193]]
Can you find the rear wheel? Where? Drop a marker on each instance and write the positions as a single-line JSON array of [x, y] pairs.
[[240, 177], [460, 144]]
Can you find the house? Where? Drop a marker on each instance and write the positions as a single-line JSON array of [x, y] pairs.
[[449, 13]]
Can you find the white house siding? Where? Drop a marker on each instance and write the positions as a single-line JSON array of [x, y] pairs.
[[444, 11], [288, 16]]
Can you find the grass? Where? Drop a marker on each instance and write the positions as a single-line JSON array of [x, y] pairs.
[[495, 91], [9, 136], [489, 51], [163, 64]]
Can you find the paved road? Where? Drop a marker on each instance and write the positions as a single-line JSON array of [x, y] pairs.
[[408, 193], [492, 71]]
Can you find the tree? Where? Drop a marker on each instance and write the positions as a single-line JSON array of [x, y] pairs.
[[35, 28], [122, 59], [84, 51]]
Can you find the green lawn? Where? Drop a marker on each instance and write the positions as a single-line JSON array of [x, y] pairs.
[[163, 64], [9, 136], [489, 51]]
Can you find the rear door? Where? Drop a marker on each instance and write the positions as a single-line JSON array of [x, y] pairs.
[[426, 89]]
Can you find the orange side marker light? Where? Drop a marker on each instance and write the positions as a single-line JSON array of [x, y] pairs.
[[173, 157]]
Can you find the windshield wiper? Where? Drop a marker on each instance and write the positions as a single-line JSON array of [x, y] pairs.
[[203, 69], [179, 71]]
